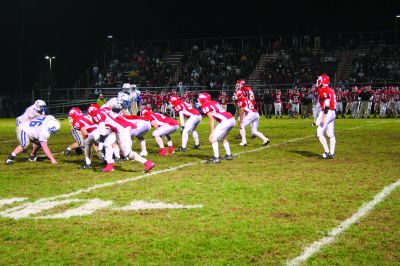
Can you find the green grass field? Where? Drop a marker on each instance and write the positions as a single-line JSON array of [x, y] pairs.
[[264, 207]]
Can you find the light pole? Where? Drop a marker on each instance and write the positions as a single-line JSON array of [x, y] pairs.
[[395, 28], [50, 58]]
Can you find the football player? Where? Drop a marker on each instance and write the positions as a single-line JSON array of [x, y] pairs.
[[214, 111], [163, 126], [326, 117], [106, 118], [37, 131], [185, 109], [249, 116], [143, 126], [78, 145]]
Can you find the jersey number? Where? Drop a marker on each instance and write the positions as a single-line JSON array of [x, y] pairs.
[[38, 122]]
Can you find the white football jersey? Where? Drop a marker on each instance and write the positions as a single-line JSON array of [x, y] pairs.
[[29, 114], [113, 103], [37, 129]]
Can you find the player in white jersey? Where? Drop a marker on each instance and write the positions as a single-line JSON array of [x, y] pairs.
[[185, 109], [33, 111], [37, 131]]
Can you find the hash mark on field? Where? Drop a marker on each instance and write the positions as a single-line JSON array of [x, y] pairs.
[[363, 211]]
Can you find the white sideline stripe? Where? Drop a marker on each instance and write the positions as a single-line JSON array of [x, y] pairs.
[[143, 205], [123, 181], [364, 210], [10, 201]]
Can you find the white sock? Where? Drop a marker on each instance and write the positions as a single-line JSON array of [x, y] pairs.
[[143, 145], [196, 137], [109, 154], [332, 145], [159, 142], [215, 149], [322, 139], [169, 143], [227, 147], [134, 156], [185, 137], [116, 151], [261, 136], [243, 134]]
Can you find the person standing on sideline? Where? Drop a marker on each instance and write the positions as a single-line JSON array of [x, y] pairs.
[[326, 117], [101, 100], [267, 99]]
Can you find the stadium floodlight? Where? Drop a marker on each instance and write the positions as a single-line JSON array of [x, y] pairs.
[[110, 37], [397, 16], [50, 58]]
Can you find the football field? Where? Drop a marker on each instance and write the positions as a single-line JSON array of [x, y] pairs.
[[271, 205]]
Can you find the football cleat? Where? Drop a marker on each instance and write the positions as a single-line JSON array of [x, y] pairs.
[[325, 155], [125, 158], [67, 152], [117, 160], [253, 136], [243, 144], [228, 157], [32, 158], [143, 153], [162, 152], [9, 162], [214, 160], [171, 149], [182, 149], [109, 168], [331, 156], [266, 143], [148, 165], [86, 166], [196, 147]]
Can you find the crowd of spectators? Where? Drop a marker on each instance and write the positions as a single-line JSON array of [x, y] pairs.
[[299, 66], [13, 106], [217, 65], [381, 64]]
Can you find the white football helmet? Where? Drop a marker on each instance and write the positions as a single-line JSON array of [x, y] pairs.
[[124, 100], [40, 106], [52, 124]]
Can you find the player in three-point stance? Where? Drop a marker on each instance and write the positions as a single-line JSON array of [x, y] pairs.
[[214, 111], [326, 118], [37, 131]]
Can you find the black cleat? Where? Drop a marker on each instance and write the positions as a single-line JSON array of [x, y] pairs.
[[228, 157], [79, 151], [325, 156], [67, 152], [331, 156], [253, 136], [117, 160], [86, 166], [266, 143], [196, 147], [9, 162], [32, 158], [182, 149], [10, 159], [214, 160]]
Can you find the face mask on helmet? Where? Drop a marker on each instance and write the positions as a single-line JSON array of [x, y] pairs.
[[40, 106], [53, 126]]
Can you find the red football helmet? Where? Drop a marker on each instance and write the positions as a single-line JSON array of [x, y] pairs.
[[75, 111], [240, 83], [146, 110], [323, 81], [174, 100], [93, 108], [203, 98]]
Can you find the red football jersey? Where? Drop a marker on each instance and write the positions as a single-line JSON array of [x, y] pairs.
[[324, 94], [84, 121], [216, 111], [161, 119], [246, 105], [186, 108]]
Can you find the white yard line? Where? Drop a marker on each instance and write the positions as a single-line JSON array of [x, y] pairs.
[[363, 211]]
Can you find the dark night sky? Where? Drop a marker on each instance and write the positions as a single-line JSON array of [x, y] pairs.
[[75, 31]]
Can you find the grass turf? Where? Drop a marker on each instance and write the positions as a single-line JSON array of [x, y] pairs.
[[263, 207]]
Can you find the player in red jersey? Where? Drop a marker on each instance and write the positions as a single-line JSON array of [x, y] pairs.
[[326, 118], [223, 99], [214, 111], [163, 126], [249, 116], [76, 134], [184, 109], [106, 118], [277, 98], [143, 126]]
